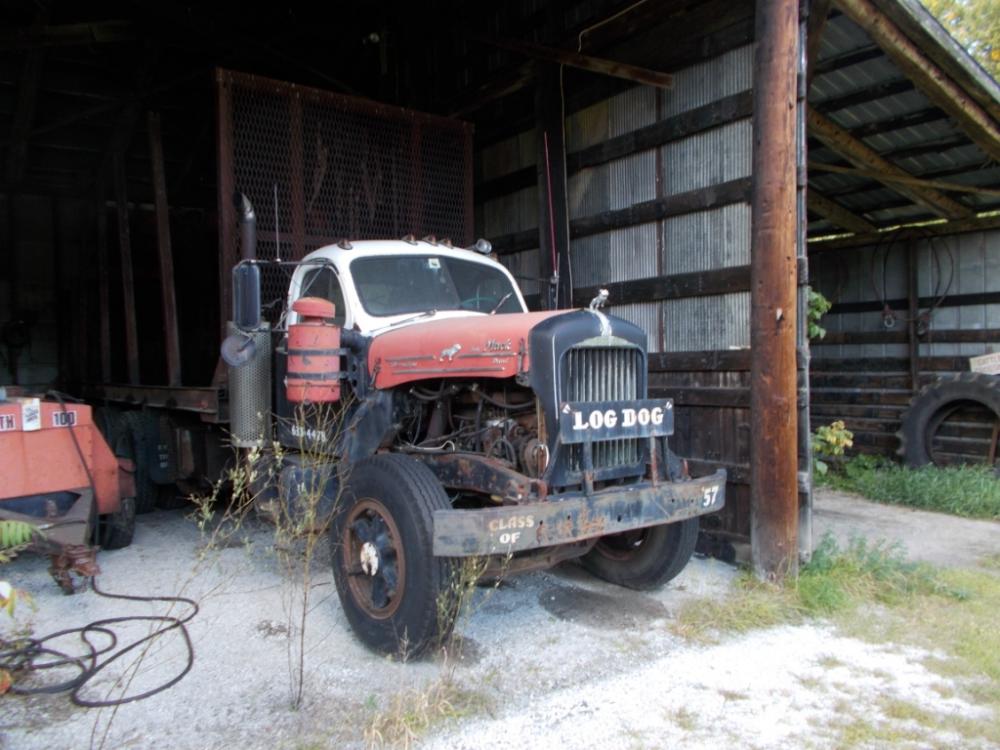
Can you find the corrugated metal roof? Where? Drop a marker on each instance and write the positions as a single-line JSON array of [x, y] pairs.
[[866, 96]]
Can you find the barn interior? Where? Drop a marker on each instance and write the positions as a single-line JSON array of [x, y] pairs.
[[642, 111]]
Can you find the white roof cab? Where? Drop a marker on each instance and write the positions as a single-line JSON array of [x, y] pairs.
[[378, 285]]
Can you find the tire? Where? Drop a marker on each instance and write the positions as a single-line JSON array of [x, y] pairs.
[[934, 403], [118, 528], [131, 442], [397, 596], [644, 559]]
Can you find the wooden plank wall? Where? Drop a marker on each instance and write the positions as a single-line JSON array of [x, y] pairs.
[[860, 372]]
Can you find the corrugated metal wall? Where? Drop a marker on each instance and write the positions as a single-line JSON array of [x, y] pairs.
[[861, 371], [699, 340], [946, 266]]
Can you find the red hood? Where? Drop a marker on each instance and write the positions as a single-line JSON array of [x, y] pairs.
[[489, 346]]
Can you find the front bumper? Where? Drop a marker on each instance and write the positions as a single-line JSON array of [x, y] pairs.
[[573, 517]]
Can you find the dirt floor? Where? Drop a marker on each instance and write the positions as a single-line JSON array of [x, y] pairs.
[[552, 659]]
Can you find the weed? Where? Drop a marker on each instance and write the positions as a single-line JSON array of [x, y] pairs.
[[830, 662], [969, 491], [410, 713], [684, 718]]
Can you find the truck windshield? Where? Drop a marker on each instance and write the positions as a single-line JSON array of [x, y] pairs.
[[395, 285]]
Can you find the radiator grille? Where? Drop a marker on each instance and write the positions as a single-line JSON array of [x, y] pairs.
[[604, 374]]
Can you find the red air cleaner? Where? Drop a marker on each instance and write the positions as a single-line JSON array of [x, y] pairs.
[[313, 353]]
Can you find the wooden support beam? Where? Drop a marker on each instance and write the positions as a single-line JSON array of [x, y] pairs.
[[680, 285], [165, 253], [862, 156], [898, 122], [625, 71], [697, 120], [913, 308], [914, 20], [863, 95], [103, 282], [845, 59], [950, 336], [979, 125], [24, 114], [722, 25], [553, 202], [834, 212], [904, 179], [701, 199], [67, 35], [819, 11], [774, 503], [128, 280], [937, 229]]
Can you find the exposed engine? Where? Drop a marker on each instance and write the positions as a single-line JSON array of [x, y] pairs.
[[500, 423]]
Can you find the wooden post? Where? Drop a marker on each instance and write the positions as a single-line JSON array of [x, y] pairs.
[[128, 283], [913, 309], [103, 283], [553, 207], [164, 251], [773, 407]]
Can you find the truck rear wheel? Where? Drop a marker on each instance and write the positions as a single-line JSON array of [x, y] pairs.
[[396, 595], [646, 558], [118, 528]]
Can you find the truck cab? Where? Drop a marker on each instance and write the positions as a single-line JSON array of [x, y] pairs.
[[377, 285]]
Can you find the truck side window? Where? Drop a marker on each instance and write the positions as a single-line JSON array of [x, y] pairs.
[[323, 283]]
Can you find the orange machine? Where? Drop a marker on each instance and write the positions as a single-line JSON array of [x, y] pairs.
[[58, 474]]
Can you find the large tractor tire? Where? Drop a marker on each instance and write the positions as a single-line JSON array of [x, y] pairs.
[[935, 403], [646, 558], [398, 597]]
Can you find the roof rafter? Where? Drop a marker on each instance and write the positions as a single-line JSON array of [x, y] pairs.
[[837, 139], [833, 212], [928, 77]]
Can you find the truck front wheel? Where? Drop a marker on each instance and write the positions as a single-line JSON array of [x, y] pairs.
[[396, 595], [643, 559]]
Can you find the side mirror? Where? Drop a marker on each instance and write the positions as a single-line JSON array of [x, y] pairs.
[[246, 297]]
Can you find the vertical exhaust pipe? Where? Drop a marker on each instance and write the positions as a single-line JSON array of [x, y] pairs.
[[248, 226]]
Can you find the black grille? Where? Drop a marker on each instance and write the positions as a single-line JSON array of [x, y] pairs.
[[605, 374]]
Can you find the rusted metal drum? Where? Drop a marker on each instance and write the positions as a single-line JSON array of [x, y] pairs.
[[313, 353]]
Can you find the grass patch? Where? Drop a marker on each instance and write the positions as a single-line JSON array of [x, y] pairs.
[[968, 491], [835, 581]]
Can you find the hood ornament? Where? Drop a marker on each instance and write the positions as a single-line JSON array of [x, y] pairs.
[[599, 301]]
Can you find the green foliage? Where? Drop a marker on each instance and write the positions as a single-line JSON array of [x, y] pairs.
[[818, 307], [829, 441], [14, 537], [970, 491], [836, 581], [975, 24]]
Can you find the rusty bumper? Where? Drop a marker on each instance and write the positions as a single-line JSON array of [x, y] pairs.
[[574, 516]]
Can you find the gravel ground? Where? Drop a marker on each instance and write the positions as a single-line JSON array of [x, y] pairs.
[[562, 660]]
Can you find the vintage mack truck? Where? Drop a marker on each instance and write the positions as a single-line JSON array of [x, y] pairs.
[[453, 423]]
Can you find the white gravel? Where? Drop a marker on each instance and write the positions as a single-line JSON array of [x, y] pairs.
[[566, 661]]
